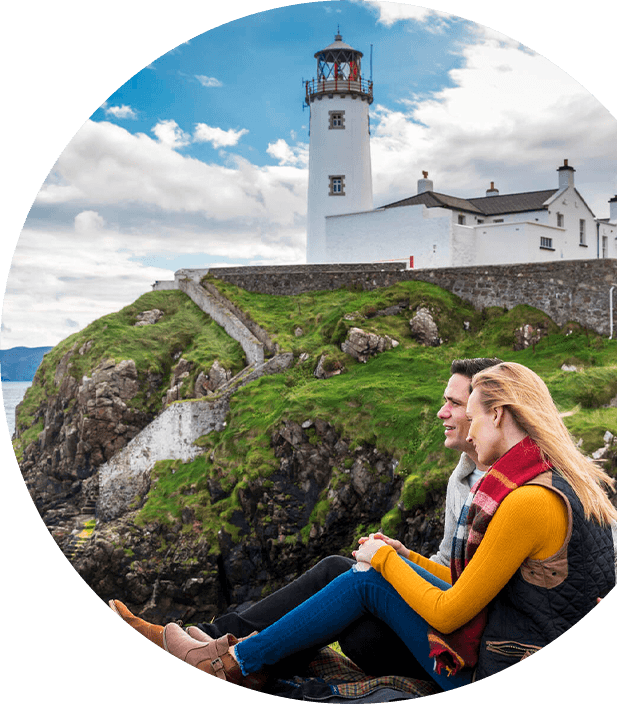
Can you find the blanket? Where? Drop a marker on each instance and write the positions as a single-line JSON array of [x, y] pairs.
[[332, 677]]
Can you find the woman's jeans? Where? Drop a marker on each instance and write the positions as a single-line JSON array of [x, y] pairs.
[[359, 641], [320, 619]]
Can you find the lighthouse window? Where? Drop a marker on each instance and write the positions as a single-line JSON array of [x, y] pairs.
[[337, 119], [337, 186]]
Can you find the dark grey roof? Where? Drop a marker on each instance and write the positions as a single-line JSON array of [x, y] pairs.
[[488, 205], [513, 203]]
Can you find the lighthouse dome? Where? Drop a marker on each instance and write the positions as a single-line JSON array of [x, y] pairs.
[[338, 44]]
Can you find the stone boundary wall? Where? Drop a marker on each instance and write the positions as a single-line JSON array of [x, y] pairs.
[[574, 290], [253, 348]]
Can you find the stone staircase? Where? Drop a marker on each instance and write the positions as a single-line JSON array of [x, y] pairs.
[[74, 545], [171, 435]]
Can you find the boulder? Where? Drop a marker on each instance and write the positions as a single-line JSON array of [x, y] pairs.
[[149, 317], [361, 345], [327, 368], [424, 330], [529, 335]]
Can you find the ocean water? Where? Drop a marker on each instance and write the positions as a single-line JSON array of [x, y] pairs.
[[12, 394]]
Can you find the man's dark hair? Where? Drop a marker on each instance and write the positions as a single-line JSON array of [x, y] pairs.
[[469, 367]]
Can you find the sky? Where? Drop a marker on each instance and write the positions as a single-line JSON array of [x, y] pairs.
[[199, 158]]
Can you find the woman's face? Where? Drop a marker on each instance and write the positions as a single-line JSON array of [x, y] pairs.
[[485, 434]]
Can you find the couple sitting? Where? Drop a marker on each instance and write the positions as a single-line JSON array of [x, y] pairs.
[[530, 554]]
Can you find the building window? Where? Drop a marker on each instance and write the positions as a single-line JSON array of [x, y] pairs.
[[461, 219], [498, 220], [604, 246], [582, 236], [337, 186], [337, 119], [559, 219], [546, 243]]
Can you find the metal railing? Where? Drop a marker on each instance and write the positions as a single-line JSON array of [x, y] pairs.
[[337, 85]]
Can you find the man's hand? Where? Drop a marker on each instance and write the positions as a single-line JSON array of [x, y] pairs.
[[396, 544]]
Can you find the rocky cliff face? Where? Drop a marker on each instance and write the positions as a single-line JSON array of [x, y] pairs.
[[84, 424], [312, 506]]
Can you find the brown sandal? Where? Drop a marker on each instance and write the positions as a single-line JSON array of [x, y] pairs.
[[212, 657]]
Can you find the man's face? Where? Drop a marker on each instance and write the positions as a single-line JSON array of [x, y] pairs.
[[453, 413]]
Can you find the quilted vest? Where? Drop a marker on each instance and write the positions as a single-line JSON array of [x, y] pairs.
[[545, 598]]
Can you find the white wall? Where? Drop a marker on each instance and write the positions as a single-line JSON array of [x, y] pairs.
[[503, 243], [609, 230], [390, 233]]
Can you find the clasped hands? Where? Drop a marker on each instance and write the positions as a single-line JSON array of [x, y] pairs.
[[369, 546]]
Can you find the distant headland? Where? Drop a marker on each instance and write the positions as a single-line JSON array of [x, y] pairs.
[[21, 363]]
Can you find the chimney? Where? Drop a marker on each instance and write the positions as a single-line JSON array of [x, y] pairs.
[[613, 212], [424, 184], [566, 175], [492, 191]]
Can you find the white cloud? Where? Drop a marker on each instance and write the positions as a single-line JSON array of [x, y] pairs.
[[217, 136], [285, 154], [209, 81], [120, 112], [391, 12], [169, 133], [105, 164], [88, 222], [511, 116], [66, 278]]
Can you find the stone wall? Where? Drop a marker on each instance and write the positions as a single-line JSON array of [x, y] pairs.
[[253, 348], [566, 290]]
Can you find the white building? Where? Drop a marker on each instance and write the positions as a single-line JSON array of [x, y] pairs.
[[439, 230], [429, 229]]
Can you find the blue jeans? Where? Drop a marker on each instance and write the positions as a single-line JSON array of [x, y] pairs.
[[323, 616]]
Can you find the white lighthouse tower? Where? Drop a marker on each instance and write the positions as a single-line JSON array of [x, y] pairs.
[[339, 151]]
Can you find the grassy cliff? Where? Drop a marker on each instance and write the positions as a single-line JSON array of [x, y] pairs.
[[389, 403]]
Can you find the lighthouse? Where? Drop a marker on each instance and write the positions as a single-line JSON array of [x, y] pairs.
[[339, 150]]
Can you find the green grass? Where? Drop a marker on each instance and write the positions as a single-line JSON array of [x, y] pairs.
[[390, 402]]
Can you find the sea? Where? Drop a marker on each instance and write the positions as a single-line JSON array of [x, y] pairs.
[[12, 394]]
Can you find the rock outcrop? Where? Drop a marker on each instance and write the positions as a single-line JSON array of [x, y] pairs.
[[361, 345], [85, 423], [288, 521], [424, 329]]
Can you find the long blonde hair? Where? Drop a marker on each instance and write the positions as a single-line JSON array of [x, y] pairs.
[[525, 395]]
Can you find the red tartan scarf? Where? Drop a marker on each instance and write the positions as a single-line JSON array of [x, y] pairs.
[[520, 464]]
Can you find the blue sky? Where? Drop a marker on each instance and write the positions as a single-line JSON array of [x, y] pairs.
[[200, 158]]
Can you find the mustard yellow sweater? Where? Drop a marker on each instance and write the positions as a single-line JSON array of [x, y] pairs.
[[531, 521]]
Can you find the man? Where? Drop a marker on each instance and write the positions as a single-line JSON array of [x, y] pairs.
[[369, 642], [468, 470]]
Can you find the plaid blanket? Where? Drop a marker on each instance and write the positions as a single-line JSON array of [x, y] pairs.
[[332, 677]]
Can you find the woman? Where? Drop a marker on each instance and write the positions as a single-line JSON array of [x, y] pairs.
[[532, 554]]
